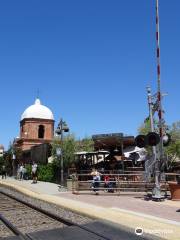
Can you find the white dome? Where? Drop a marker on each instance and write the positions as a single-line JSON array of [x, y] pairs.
[[37, 111]]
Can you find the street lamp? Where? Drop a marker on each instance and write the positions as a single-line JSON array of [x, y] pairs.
[[62, 127], [13, 163]]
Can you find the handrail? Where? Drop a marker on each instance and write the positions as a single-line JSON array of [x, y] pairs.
[[125, 174], [120, 185], [112, 174], [172, 174]]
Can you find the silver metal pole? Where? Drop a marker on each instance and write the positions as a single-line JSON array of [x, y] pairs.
[[159, 95], [14, 164], [62, 167], [150, 103], [157, 189]]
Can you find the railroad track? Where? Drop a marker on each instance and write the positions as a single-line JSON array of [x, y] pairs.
[[24, 219]]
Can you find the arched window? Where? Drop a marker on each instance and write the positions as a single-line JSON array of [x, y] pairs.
[[41, 131]]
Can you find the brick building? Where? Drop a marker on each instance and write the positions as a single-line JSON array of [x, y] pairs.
[[36, 126]]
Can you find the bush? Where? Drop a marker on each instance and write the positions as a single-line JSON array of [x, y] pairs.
[[46, 173], [28, 173], [1, 163]]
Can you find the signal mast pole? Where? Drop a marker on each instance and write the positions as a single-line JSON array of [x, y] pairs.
[[151, 118], [150, 103], [157, 190], [159, 95]]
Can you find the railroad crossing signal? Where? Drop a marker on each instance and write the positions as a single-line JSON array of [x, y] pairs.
[[151, 139]]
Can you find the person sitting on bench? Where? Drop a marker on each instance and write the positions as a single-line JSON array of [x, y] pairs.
[[96, 180], [106, 182], [109, 184]]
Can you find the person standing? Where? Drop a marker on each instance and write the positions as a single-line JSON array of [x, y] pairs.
[[106, 182], [17, 174], [24, 172], [3, 171], [34, 172], [21, 172]]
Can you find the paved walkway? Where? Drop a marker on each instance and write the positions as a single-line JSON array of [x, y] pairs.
[[158, 218]]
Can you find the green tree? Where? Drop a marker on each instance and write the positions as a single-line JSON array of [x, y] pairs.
[[2, 162], [173, 150], [145, 127], [175, 131], [46, 173], [68, 149], [69, 146], [8, 159], [85, 144]]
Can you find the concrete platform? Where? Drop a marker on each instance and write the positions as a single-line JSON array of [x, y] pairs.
[[75, 233], [12, 238], [158, 218], [65, 234]]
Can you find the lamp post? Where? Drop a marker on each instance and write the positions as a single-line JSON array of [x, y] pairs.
[[62, 127], [13, 163]]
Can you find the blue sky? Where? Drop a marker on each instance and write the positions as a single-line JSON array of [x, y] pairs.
[[91, 61]]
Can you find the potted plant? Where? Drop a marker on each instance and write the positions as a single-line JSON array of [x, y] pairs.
[[178, 179], [71, 181], [175, 189]]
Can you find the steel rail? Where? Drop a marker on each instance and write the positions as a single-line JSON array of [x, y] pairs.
[[56, 217], [15, 229]]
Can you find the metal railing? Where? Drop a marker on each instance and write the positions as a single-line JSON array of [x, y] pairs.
[[134, 182]]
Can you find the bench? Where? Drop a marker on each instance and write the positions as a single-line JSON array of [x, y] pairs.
[[87, 186]]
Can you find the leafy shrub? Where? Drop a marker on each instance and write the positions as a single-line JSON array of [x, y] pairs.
[[46, 173], [1, 163], [28, 168]]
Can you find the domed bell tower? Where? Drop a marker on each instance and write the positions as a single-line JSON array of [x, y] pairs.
[[36, 126]]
